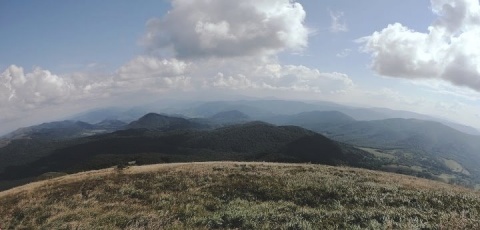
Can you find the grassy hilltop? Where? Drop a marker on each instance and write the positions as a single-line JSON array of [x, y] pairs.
[[232, 195]]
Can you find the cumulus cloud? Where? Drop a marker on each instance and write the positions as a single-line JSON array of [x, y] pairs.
[[41, 90], [211, 45], [286, 78], [147, 67], [89, 84], [338, 22], [219, 28], [32, 89], [144, 72], [236, 82], [302, 78], [449, 51]]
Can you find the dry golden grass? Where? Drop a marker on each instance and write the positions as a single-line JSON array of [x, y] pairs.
[[237, 195]]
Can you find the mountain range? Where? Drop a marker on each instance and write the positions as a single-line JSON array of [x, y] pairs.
[[264, 110], [156, 138], [244, 131]]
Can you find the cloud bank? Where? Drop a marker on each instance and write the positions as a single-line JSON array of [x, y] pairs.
[[449, 51]]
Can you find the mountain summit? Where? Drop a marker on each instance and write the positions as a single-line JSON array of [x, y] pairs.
[[160, 122]]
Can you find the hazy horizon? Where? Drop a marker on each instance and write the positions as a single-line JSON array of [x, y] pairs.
[[63, 58]]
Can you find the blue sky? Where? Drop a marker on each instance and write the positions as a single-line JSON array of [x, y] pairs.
[[68, 35], [61, 57]]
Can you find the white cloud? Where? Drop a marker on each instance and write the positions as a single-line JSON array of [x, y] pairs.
[[303, 78], [218, 28], [242, 73], [338, 22], [276, 77], [235, 82], [152, 73], [148, 67], [32, 89], [449, 51], [89, 84], [25, 96], [209, 45]]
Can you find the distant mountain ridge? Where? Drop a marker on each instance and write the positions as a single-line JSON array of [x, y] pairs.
[[417, 136], [252, 141], [230, 117], [321, 118], [257, 110], [268, 109], [64, 130], [411, 146], [156, 121]]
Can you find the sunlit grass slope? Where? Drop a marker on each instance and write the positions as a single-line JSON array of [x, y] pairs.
[[232, 195]]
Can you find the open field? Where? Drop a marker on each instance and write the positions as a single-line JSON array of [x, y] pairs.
[[378, 153], [455, 166], [237, 195]]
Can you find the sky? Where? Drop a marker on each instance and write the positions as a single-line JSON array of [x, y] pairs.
[[58, 58]]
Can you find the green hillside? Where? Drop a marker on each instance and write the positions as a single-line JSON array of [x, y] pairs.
[[253, 141], [155, 121], [409, 146], [225, 195]]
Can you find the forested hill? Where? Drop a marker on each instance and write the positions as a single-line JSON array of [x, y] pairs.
[[253, 141], [408, 146]]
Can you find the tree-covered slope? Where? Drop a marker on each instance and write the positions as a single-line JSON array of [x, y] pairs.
[[254, 141]]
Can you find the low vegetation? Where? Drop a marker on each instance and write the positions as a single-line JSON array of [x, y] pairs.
[[224, 195]]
